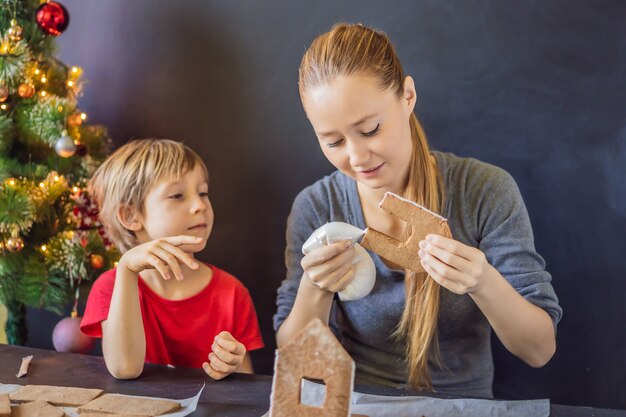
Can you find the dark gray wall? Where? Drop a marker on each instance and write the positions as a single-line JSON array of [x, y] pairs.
[[536, 87]]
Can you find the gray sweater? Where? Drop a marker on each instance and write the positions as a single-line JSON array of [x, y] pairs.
[[484, 209]]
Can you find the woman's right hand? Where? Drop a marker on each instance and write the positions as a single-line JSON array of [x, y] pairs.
[[330, 268], [164, 255]]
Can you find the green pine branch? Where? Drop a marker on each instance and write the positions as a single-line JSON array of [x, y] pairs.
[[14, 57], [16, 209], [43, 120], [12, 168], [38, 288], [10, 266], [6, 135]]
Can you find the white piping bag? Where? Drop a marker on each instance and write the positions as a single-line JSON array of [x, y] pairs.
[[365, 273]]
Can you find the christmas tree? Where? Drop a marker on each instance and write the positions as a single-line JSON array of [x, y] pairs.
[[51, 242]]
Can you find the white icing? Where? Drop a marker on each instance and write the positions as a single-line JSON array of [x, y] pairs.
[[415, 204]]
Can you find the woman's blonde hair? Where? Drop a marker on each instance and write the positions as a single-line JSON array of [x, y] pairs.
[[126, 177], [355, 49]]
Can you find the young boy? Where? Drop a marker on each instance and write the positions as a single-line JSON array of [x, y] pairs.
[[160, 305]]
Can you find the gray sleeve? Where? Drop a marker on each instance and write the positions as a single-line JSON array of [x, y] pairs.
[[306, 216], [506, 238]]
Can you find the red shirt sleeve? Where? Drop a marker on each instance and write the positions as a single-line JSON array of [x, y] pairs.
[[98, 303], [246, 325]]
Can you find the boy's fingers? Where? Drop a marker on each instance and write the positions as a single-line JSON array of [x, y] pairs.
[[231, 345], [216, 375], [181, 257], [226, 335], [171, 261], [182, 240], [224, 355], [218, 365], [159, 266]]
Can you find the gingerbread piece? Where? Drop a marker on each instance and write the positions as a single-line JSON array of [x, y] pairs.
[[61, 396], [5, 405], [24, 366], [122, 404], [37, 409], [313, 353], [108, 415], [421, 222]]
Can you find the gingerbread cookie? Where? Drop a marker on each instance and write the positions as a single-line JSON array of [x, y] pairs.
[[108, 415], [37, 409], [62, 396], [313, 353], [122, 404], [5, 405], [421, 222]]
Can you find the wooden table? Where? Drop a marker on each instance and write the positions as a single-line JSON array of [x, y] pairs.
[[237, 396]]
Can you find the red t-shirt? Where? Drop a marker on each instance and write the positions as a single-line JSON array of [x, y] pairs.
[[181, 332]]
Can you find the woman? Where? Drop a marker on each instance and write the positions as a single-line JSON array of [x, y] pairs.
[[425, 331]]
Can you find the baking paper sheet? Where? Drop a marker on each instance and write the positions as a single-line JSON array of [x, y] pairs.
[[414, 406]]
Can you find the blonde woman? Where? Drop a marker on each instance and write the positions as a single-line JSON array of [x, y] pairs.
[[161, 305], [413, 330]]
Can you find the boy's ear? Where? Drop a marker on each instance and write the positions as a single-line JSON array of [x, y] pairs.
[[128, 217]]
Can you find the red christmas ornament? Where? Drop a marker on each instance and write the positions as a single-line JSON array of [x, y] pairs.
[[81, 149], [52, 18], [67, 337]]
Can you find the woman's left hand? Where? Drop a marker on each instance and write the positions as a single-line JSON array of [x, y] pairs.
[[459, 268]]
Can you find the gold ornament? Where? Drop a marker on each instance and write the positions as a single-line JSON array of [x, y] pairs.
[[4, 93], [75, 72], [26, 90], [15, 31], [14, 244], [74, 119], [96, 261]]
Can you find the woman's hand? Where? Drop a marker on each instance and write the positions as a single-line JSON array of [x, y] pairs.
[[459, 268], [525, 329], [163, 254], [226, 356], [330, 268]]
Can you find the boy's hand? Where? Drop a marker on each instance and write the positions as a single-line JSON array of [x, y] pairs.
[[226, 356], [163, 254]]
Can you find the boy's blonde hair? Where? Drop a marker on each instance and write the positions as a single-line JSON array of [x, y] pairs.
[[126, 177]]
